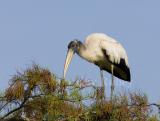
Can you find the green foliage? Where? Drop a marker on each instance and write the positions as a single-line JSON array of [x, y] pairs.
[[122, 108], [36, 94]]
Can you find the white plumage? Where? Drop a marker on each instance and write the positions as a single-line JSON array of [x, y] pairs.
[[114, 49], [103, 51]]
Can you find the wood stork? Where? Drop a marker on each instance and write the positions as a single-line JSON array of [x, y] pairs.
[[103, 51]]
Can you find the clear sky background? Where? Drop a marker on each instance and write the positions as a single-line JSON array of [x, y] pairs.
[[38, 30]]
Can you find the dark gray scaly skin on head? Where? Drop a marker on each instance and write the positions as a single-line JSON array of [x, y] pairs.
[[75, 45]]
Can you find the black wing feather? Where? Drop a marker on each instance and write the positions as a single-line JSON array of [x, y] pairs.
[[121, 70], [122, 65]]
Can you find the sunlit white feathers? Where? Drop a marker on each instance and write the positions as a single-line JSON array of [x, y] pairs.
[[114, 49]]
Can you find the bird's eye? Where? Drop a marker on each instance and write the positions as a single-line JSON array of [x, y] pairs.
[[74, 45]]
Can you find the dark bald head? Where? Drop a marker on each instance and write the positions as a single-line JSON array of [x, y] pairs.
[[75, 44]]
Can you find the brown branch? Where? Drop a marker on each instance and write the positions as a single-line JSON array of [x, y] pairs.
[[18, 108], [154, 104], [4, 106], [14, 110]]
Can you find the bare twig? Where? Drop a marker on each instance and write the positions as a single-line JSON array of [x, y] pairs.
[[14, 110]]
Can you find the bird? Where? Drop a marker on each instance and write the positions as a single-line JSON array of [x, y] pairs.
[[103, 51]]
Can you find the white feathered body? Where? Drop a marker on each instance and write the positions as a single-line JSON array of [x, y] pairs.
[[105, 51]]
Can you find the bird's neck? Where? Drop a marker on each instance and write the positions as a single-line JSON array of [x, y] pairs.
[[81, 49], [83, 52]]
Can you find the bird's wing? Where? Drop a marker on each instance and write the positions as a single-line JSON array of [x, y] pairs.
[[95, 39], [115, 51], [116, 54]]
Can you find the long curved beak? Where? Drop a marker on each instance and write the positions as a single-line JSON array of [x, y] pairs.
[[68, 60]]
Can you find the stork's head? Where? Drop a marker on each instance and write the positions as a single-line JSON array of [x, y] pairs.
[[73, 47]]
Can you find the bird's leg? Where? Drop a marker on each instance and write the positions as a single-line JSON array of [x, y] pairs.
[[103, 86], [112, 84]]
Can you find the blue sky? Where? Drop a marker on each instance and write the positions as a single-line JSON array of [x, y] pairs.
[[41, 30]]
